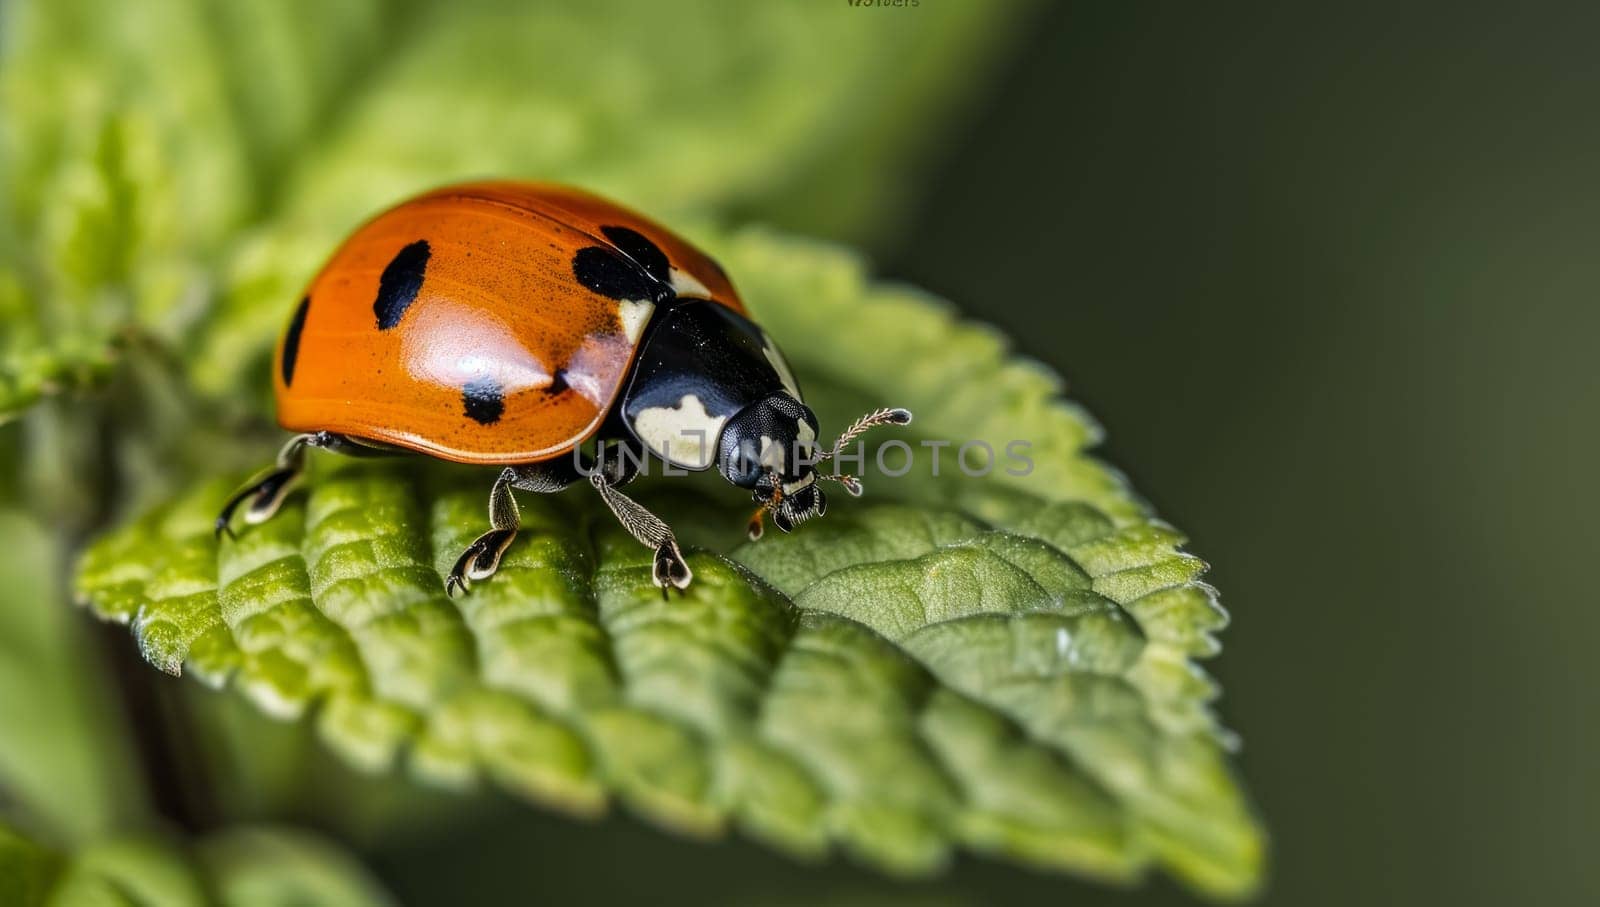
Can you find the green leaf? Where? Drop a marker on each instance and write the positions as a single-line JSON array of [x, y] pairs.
[[1001, 663], [177, 168], [241, 867]]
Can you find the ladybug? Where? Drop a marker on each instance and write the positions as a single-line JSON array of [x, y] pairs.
[[512, 324]]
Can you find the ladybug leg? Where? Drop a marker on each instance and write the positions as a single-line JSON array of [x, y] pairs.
[[482, 557], [268, 489], [670, 569]]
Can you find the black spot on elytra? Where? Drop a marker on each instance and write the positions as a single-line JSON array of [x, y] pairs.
[[558, 382], [483, 401], [291, 341], [400, 283], [644, 252], [609, 274], [635, 268]]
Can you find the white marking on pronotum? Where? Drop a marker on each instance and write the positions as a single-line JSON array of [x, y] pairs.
[[781, 367], [685, 284], [635, 313], [791, 488], [684, 435]]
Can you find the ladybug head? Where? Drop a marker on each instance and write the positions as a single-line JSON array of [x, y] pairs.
[[770, 447]]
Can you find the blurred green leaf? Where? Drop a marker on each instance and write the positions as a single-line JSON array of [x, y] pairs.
[[26, 869], [244, 867], [122, 177], [179, 167], [62, 762], [266, 866], [1001, 663]]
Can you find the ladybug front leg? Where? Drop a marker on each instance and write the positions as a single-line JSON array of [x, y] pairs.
[[267, 490], [482, 557], [670, 569]]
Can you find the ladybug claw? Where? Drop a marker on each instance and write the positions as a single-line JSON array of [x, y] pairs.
[[670, 570], [225, 517], [479, 561], [265, 495]]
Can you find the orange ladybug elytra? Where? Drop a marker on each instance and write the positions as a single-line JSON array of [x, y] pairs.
[[510, 324]]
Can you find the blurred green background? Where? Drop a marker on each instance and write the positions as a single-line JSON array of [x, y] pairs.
[[1326, 278]]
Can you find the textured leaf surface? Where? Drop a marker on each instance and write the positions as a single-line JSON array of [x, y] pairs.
[[244, 867], [173, 163], [1001, 663]]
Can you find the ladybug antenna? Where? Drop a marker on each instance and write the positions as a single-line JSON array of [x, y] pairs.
[[885, 416], [850, 483]]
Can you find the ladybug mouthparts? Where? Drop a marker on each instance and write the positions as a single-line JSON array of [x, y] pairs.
[[803, 502]]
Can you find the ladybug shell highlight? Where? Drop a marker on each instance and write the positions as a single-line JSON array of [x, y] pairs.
[[489, 323]]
